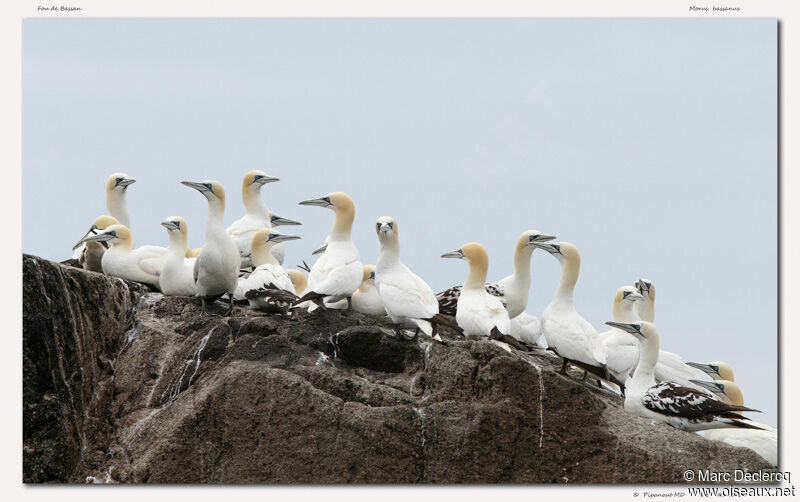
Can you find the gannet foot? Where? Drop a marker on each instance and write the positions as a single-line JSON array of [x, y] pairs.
[[584, 376], [230, 307], [349, 303], [563, 369], [414, 337]]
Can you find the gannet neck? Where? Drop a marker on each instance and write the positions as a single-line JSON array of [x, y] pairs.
[[570, 269], [643, 376], [345, 214], [216, 215], [178, 242], [647, 308], [260, 249], [624, 311], [253, 203], [117, 206], [390, 248], [478, 260], [522, 260]]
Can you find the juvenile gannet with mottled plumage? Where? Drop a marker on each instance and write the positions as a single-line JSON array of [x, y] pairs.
[[408, 299], [566, 332], [479, 313], [268, 275], [177, 274], [337, 273], [256, 215], [717, 370], [142, 264], [90, 253], [217, 267], [764, 441], [622, 347], [681, 407], [513, 290], [670, 367]]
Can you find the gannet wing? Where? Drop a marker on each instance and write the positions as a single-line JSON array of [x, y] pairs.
[[448, 300], [669, 398], [151, 266], [403, 301]]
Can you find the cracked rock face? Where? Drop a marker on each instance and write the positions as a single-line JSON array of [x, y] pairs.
[[122, 384]]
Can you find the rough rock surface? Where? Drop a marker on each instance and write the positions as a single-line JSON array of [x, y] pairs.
[[122, 384]]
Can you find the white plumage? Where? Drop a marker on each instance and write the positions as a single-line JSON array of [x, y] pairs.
[[142, 264], [268, 275], [177, 274], [527, 328], [256, 215]]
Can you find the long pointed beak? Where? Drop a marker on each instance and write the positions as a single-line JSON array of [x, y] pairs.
[[263, 180], [99, 238], [544, 238], [712, 386], [454, 254], [624, 326], [320, 249], [641, 286], [278, 221], [284, 237], [705, 368], [197, 186], [169, 225], [126, 182], [321, 201], [83, 239], [634, 297], [547, 247]]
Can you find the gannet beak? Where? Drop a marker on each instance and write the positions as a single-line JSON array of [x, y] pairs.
[[712, 386], [169, 225], [283, 237], [455, 254], [263, 180], [547, 247], [277, 221], [125, 182], [641, 286], [708, 369], [100, 237], [543, 238], [320, 249], [627, 327], [634, 296], [83, 239], [322, 202], [197, 186]]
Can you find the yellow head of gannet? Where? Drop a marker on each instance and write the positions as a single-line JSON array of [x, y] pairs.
[[342, 204], [100, 223], [177, 230], [368, 275], [299, 281], [478, 260], [251, 188], [118, 182], [387, 230], [567, 254], [528, 238], [725, 390], [116, 185], [262, 243], [717, 370], [624, 300], [211, 190], [114, 235]]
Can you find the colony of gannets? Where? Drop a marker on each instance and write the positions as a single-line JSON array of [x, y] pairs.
[[243, 262]]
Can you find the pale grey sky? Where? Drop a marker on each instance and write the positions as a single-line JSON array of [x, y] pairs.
[[650, 144]]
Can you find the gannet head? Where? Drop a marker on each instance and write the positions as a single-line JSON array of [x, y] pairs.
[[113, 235], [529, 237], [641, 329], [299, 281], [473, 252], [278, 221], [369, 273], [726, 390], [175, 224], [386, 228], [100, 223], [211, 190], [256, 179], [337, 201], [118, 182], [646, 288], [627, 293], [563, 251], [717, 370], [269, 237]]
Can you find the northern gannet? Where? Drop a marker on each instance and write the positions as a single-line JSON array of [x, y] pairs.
[[478, 313], [279, 249], [622, 347], [512, 290], [366, 299], [256, 216], [337, 273], [116, 187], [670, 367], [90, 254], [259, 287], [717, 370], [567, 333], [764, 441], [408, 299], [142, 264], [681, 407], [217, 267], [177, 274]]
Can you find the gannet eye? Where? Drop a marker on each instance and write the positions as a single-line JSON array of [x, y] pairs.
[[117, 181], [210, 187], [557, 247], [377, 226], [113, 233], [391, 224], [625, 294]]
